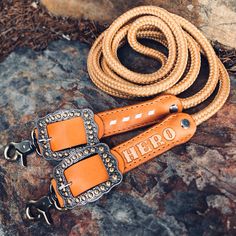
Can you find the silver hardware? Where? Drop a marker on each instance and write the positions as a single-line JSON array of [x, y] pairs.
[[115, 176], [185, 123], [173, 108]]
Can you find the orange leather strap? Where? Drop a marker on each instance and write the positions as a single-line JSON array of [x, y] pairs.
[[172, 131], [71, 132]]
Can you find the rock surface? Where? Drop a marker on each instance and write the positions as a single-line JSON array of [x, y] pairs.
[[189, 190], [216, 19]]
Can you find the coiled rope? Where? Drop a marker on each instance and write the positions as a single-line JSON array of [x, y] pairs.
[[185, 44]]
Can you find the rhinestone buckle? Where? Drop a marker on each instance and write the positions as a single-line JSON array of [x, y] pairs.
[[44, 140], [93, 194]]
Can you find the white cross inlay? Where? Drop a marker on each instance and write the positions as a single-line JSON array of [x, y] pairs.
[[126, 119], [113, 122], [152, 112], [138, 116]]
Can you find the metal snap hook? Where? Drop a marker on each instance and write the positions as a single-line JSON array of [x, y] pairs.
[[39, 210], [18, 151]]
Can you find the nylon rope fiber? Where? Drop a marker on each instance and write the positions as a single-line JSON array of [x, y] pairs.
[[184, 42]]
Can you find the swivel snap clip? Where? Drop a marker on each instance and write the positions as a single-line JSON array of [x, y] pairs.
[[40, 209], [19, 151]]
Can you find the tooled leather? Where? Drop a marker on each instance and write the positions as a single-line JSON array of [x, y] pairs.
[[183, 136], [71, 133], [162, 104]]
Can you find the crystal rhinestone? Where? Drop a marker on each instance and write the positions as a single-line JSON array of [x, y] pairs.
[[60, 155], [101, 149], [104, 155], [111, 169], [60, 179], [108, 183], [114, 177], [68, 161], [58, 116], [40, 124], [66, 154], [66, 194], [80, 154], [86, 114], [52, 118], [88, 122], [65, 115], [86, 152], [90, 132], [54, 155], [77, 200], [42, 132], [107, 159], [89, 126], [91, 136], [93, 150], [46, 153], [96, 191], [63, 165], [83, 198], [109, 164], [69, 201], [57, 172], [74, 157], [90, 195], [102, 188], [47, 120], [77, 114], [71, 114], [45, 146]]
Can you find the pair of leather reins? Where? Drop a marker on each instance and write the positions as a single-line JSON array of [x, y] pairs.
[[87, 168]]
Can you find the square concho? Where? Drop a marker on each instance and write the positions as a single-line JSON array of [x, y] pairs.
[[93, 194], [44, 140]]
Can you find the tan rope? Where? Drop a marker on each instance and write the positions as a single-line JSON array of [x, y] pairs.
[[184, 42]]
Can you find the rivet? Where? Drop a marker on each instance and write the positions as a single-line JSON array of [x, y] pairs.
[[101, 149], [86, 152], [96, 192], [108, 183], [109, 164], [90, 195], [92, 149], [58, 116], [107, 159], [173, 108], [185, 123], [65, 115], [111, 169], [105, 155], [71, 114], [102, 188]]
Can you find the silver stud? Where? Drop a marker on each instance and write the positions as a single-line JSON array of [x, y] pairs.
[[185, 123]]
